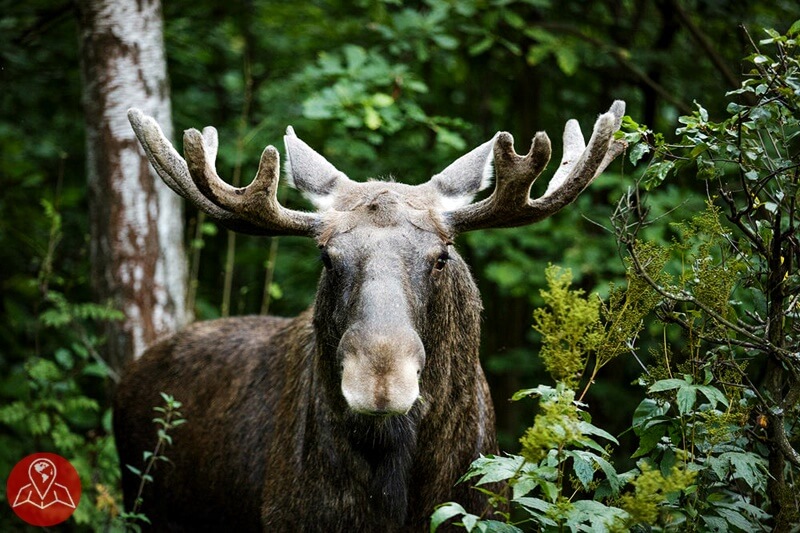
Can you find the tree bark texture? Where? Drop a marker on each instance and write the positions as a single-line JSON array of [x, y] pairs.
[[137, 255]]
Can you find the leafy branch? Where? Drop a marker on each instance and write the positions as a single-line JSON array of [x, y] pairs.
[[169, 418]]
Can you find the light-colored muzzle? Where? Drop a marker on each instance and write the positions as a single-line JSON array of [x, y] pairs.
[[381, 371]]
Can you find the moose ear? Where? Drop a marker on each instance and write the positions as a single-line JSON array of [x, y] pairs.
[[458, 184], [310, 173]]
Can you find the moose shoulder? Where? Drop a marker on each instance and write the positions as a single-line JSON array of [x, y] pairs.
[[361, 413]]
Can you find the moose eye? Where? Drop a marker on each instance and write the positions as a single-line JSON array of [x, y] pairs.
[[441, 262], [326, 259]]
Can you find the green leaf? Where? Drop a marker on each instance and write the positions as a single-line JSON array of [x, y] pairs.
[[794, 29], [469, 521], [448, 42], [567, 60], [493, 468], [64, 358], [534, 503], [525, 393], [275, 291], [719, 467], [96, 370], [656, 173], [715, 523], [686, 398], [317, 108], [523, 485], [638, 151], [514, 20], [589, 429], [537, 54], [450, 138], [481, 46], [590, 443], [648, 440], [666, 384], [736, 519], [550, 490], [610, 472], [714, 395], [355, 56], [500, 471], [748, 467], [445, 512], [600, 517], [584, 471], [648, 409], [382, 100], [371, 118], [493, 526]]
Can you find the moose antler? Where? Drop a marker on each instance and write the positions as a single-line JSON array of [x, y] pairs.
[[510, 203], [252, 209]]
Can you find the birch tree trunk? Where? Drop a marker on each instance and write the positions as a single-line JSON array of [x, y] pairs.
[[137, 255]]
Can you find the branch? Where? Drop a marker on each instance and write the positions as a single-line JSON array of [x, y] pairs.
[[671, 317], [779, 435], [687, 298], [704, 43], [776, 417], [45, 19], [621, 55]]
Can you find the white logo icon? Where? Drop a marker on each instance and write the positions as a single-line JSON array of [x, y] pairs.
[[43, 491]]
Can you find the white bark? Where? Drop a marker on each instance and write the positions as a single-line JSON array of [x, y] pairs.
[[138, 258]]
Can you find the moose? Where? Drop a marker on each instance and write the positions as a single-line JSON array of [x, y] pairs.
[[361, 413]]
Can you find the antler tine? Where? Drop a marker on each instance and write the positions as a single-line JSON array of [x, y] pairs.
[[580, 165], [253, 209], [256, 203], [510, 204]]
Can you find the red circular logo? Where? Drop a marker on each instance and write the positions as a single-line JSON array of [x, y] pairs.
[[43, 489]]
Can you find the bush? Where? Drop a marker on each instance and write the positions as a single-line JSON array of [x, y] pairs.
[[718, 428]]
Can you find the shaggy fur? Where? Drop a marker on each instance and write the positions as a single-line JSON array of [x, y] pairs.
[[270, 443]]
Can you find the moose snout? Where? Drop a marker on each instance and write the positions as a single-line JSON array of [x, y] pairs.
[[380, 371]]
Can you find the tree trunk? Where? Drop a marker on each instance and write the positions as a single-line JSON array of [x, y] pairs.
[[137, 254]]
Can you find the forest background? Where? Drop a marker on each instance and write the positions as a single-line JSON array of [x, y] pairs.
[[380, 88]]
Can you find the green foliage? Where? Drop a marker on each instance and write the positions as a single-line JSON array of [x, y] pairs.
[[367, 98], [168, 418], [731, 296], [574, 327], [651, 489], [556, 426], [51, 393], [560, 460], [717, 441], [570, 327]]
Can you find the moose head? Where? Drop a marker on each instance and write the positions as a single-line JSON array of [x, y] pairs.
[[385, 246]]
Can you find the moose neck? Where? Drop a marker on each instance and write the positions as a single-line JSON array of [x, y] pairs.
[[384, 448]]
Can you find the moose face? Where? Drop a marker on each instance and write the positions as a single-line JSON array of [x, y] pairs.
[[385, 262]]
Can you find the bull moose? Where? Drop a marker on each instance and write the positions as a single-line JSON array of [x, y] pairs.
[[361, 413]]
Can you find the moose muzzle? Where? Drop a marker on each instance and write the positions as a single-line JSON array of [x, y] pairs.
[[381, 370]]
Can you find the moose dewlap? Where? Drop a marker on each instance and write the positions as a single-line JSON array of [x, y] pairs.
[[361, 413]]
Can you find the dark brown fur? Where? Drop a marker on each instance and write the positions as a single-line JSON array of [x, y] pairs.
[[270, 443]]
